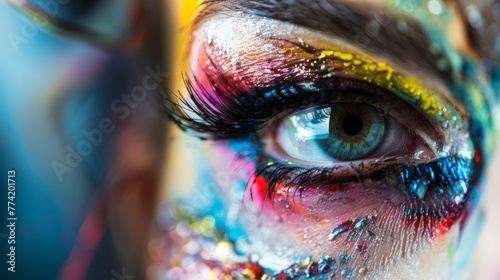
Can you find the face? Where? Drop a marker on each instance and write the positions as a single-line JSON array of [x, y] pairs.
[[336, 139]]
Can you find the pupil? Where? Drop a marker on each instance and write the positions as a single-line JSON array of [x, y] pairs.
[[352, 125]]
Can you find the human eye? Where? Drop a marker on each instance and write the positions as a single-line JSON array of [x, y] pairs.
[[347, 132], [337, 162]]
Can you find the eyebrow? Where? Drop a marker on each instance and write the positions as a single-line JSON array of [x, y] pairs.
[[366, 26]]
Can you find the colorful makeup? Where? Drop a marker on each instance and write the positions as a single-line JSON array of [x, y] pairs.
[[337, 164]]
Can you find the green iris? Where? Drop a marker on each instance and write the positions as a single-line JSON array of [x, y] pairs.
[[355, 131]]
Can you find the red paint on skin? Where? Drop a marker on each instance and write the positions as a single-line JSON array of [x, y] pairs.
[[477, 156], [259, 190], [455, 213]]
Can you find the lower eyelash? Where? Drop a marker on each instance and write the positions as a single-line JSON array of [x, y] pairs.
[[437, 190]]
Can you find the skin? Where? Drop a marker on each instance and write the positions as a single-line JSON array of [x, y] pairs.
[[431, 259]]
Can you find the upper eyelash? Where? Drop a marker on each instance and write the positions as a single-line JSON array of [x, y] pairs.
[[213, 113], [222, 116]]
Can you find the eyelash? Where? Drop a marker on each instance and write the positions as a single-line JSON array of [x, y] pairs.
[[444, 177], [221, 116]]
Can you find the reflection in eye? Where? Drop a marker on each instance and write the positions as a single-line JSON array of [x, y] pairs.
[[345, 164]]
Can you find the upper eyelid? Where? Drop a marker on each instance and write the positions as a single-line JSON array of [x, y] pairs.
[[303, 52]]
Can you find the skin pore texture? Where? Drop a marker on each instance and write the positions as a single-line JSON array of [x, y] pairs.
[[258, 208]]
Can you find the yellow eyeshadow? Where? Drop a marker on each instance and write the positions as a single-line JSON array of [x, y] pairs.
[[382, 75]]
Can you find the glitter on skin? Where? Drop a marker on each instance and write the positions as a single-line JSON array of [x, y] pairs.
[[357, 227]]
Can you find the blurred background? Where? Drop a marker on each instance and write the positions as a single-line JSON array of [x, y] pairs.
[[82, 130]]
